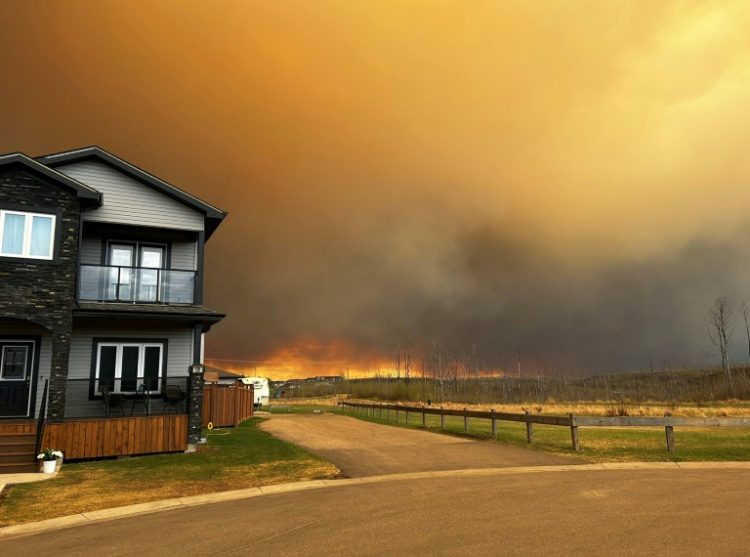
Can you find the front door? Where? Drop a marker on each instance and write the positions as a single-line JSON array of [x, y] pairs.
[[16, 377]]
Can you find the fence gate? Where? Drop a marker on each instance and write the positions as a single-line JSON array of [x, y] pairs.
[[227, 405]]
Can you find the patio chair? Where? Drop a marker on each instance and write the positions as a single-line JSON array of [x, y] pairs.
[[174, 396], [111, 400]]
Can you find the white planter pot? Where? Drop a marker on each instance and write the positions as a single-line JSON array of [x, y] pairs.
[[49, 466]]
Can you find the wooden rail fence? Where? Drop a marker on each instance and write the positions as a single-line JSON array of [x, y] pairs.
[[571, 420], [227, 405]]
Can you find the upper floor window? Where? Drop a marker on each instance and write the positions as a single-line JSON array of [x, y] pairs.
[[27, 235]]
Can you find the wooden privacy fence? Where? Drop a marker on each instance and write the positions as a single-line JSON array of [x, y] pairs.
[[102, 437], [227, 405], [571, 420]]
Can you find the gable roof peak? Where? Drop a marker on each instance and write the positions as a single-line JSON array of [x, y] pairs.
[[214, 215], [87, 194]]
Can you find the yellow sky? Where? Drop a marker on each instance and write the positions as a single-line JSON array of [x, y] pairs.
[[357, 145]]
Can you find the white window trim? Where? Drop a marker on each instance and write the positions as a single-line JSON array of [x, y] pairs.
[[28, 224], [2, 361], [141, 362]]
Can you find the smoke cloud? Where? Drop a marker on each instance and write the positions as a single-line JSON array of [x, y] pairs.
[[570, 181]]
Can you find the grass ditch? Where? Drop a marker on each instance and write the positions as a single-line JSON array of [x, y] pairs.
[[598, 444], [244, 457]]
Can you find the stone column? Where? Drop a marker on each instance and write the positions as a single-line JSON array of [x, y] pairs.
[[58, 376], [195, 406]]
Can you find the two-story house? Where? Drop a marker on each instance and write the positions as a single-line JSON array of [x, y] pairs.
[[101, 306]]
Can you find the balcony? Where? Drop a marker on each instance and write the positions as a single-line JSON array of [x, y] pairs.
[[110, 283]]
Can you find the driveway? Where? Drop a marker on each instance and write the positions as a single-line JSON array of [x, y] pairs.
[[576, 513], [360, 448]]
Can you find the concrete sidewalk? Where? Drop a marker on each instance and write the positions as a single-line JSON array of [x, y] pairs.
[[12, 479]]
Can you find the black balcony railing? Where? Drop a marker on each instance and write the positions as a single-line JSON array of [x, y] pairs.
[[110, 283], [126, 396]]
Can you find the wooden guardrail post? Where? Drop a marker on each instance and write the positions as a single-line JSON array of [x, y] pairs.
[[466, 420], [669, 430], [574, 433], [388, 413], [424, 423], [494, 423], [442, 418], [529, 429], [406, 412]]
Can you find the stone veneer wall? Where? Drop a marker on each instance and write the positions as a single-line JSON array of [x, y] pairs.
[[39, 291]]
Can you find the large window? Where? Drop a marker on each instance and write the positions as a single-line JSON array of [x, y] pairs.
[[28, 235], [129, 367]]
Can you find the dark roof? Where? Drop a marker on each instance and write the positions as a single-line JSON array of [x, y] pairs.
[[214, 216], [88, 195], [227, 374], [152, 311]]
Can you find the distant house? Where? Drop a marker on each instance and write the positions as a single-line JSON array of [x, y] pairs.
[[101, 306], [223, 376]]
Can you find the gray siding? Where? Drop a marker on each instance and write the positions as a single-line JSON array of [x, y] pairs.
[[183, 256], [179, 357], [127, 201], [91, 250]]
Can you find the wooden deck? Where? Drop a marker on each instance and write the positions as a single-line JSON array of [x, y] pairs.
[[106, 437]]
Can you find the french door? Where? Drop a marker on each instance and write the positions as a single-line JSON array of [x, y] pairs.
[[134, 273], [16, 377]]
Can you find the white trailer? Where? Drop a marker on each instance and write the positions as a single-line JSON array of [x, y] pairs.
[[261, 389]]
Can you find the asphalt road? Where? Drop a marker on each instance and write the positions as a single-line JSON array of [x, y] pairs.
[[361, 448], [577, 513]]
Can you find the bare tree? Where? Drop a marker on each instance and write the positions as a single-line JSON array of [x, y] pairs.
[[746, 319], [719, 328]]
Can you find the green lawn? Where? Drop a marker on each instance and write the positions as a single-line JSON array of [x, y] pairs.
[[598, 444], [233, 458]]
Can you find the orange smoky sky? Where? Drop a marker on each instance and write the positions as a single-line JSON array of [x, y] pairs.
[[564, 180]]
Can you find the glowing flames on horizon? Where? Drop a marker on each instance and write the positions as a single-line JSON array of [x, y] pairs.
[[310, 358]]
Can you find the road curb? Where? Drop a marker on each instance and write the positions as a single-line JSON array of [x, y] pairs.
[[222, 496]]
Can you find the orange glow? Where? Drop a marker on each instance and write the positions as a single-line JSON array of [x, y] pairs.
[[309, 358]]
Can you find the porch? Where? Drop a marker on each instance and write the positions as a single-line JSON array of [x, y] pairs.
[[126, 397]]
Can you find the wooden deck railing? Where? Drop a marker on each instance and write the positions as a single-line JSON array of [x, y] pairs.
[[571, 420], [104, 437]]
